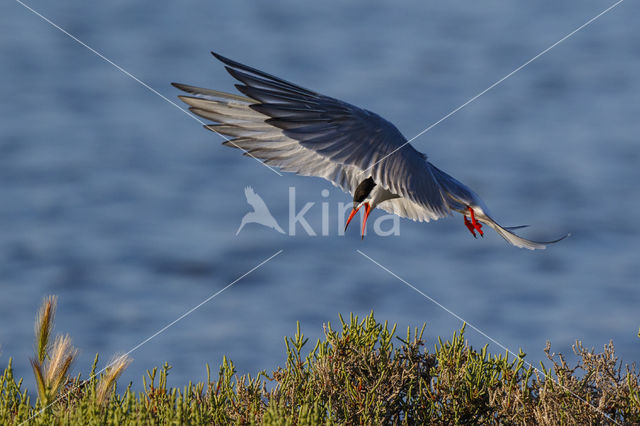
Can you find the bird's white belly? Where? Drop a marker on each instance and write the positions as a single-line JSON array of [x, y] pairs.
[[380, 194]]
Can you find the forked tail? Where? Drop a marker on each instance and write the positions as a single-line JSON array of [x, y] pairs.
[[516, 240]]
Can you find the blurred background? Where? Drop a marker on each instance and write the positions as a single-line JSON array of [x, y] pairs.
[[126, 208]]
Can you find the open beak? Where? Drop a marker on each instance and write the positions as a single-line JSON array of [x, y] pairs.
[[353, 213], [367, 210]]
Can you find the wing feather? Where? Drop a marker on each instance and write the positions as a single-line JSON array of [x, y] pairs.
[[302, 131]]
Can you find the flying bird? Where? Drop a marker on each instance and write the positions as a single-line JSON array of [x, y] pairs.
[[302, 131], [260, 213]]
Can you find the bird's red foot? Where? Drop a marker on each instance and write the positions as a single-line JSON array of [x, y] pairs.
[[469, 227], [473, 225]]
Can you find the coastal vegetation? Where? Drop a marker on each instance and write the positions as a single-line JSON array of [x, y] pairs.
[[361, 372]]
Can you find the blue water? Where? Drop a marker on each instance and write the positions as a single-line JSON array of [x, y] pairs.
[[123, 206]]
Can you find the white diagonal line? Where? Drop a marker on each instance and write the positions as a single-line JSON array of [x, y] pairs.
[[163, 329], [497, 83], [426, 296], [439, 304], [190, 311], [128, 74]]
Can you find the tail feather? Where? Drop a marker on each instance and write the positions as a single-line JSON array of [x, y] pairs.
[[518, 241], [512, 228]]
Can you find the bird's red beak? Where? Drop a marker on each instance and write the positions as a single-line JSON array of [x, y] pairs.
[[353, 213], [367, 210]]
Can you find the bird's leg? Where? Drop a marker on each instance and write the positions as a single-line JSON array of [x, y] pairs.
[[367, 210], [469, 226], [473, 225]]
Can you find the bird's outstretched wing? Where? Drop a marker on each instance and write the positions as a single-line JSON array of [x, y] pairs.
[[305, 132]]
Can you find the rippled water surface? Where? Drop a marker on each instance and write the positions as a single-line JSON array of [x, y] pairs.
[[118, 202]]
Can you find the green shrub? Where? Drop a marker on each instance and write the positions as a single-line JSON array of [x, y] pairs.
[[359, 373]]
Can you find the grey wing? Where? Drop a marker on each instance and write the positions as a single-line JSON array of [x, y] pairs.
[[249, 132], [404, 207], [308, 133]]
